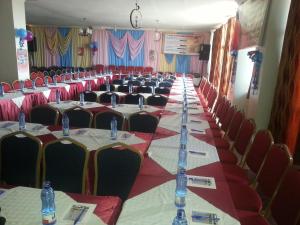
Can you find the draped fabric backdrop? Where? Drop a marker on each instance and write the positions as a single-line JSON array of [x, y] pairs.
[[285, 116], [221, 66], [64, 47]]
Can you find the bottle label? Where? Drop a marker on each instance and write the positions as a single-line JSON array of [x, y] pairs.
[[49, 218]]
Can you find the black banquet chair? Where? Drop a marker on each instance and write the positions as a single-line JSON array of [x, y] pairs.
[[102, 120], [118, 82], [20, 159], [116, 168], [106, 97], [157, 100], [79, 117], [123, 88], [90, 96], [132, 99], [44, 114], [134, 82], [142, 122], [162, 90], [144, 89], [165, 84], [65, 165], [103, 87]]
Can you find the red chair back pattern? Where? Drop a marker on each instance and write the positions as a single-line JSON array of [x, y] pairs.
[[39, 82], [28, 83], [235, 125], [6, 86], [244, 136], [275, 166], [260, 146], [228, 118], [16, 84], [286, 205]]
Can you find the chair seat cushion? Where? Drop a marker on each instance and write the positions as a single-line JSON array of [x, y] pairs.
[[251, 218], [234, 173], [244, 197], [227, 156]]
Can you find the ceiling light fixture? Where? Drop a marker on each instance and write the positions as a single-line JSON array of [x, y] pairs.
[[156, 32], [136, 17], [85, 31]]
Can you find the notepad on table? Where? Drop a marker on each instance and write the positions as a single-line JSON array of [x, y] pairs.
[[199, 181]]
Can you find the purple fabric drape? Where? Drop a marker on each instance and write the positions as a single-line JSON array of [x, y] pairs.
[[119, 45]]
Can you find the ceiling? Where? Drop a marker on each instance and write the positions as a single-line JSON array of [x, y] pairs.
[[185, 15]]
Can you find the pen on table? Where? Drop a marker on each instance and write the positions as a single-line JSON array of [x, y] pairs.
[[199, 153], [196, 121], [195, 130], [79, 216]]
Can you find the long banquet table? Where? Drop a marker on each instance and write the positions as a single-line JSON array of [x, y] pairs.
[[151, 200]]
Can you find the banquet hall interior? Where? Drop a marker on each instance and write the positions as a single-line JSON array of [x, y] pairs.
[[150, 112]]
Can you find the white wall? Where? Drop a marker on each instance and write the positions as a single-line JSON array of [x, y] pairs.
[[274, 36], [242, 80]]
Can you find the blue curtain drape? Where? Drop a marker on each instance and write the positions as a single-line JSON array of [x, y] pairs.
[[66, 59], [169, 58], [113, 59], [183, 63]]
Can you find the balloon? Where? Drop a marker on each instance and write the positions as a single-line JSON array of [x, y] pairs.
[[29, 36], [91, 45], [95, 44], [22, 33]]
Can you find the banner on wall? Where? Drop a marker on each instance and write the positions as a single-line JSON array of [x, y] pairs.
[[22, 60], [183, 44]]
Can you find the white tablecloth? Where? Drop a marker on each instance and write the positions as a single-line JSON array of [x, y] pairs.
[[34, 129], [156, 207], [64, 105], [128, 109]]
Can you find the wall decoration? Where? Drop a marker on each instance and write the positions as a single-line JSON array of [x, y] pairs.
[[252, 15]]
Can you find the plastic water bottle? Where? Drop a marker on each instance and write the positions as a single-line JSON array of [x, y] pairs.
[[183, 135], [113, 128], [141, 102], [153, 90], [130, 89], [57, 96], [182, 157], [65, 124], [81, 98], [180, 218], [22, 85], [33, 84], [181, 190], [22, 123], [1, 90], [113, 101], [48, 204], [108, 87], [46, 82], [89, 87], [54, 80], [63, 78], [184, 117]]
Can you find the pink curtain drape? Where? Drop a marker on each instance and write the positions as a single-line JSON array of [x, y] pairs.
[[152, 49], [135, 46], [101, 56]]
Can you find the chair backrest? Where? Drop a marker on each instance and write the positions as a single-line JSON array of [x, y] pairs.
[[202, 84], [142, 122], [20, 155], [271, 174], [134, 82], [33, 75], [286, 205], [258, 150], [132, 98], [90, 96], [118, 82], [6, 86], [123, 88], [228, 118], [222, 114], [103, 87], [65, 165], [111, 67], [144, 89], [39, 82], [162, 90], [158, 100], [235, 125], [150, 83], [16, 84], [165, 84], [116, 169], [148, 69], [49, 79], [79, 117], [211, 98], [102, 120], [206, 89], [244, 136], [28, 83], [44, 114], [218, 109], [68, 76], [106, 97], [57, 77]]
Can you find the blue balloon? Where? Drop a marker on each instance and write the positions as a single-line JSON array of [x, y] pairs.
[[95, 44], [91, 45], [22, 33]]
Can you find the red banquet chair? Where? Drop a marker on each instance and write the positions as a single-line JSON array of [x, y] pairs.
[[49, 79], [275, 166], [16, 85], [39, 82], [6, 86], [33, 75], [148, 69], [139, 69], [28, 83], [82, 75], [258, 149], [121, 69], [68, 76], [285, 208], [111, 68], [58, 78]]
